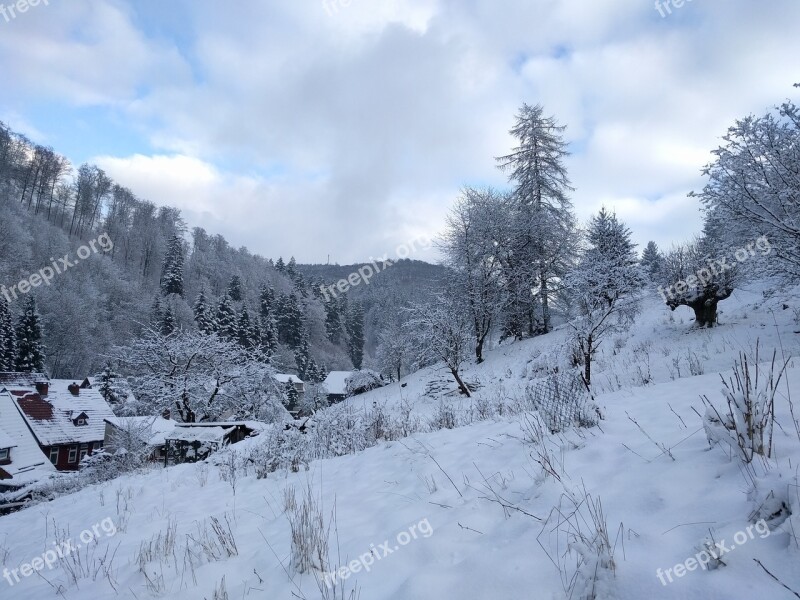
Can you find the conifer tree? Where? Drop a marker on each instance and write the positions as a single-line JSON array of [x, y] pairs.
[[168, 324], [280, 265], [30, 349], [203, 314], [107, 388], [227, 321], [156, 313], [172, 268], [246, 332], [333, 322], [290, 321], [652, 260], [235, 289], [355, 330], [8, 338]]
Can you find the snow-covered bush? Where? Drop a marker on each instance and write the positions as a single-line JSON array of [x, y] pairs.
[[747, 421], [362, 382], [277, 448], [339, 431], [444, 417], [578, 524]]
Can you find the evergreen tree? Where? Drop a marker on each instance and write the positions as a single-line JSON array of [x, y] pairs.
[[107, 388], [247, 334], [227, 321], [8, 338], [292, 396], [203, 314], [30, 350], [266, 299], [168, 324], [172, 268], [267, 338], [290, 321], [333, 322], [280, 265], [307, 367], [355, 330], [235, 289], [652, 260], [544, 226], [605, 285]]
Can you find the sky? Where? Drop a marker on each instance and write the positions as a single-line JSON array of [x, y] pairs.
[[344, 129]]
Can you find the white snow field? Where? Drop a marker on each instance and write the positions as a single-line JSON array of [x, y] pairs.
[[471, 512]]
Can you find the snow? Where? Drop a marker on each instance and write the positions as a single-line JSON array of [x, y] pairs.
[[336, 382], [156, 427], [284, 378], [481, 486], [28, 463], [51, 417]]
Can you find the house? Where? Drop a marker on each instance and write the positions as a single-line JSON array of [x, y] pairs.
[[150, 432], [336, 384], [67, 418], [299, 386], [192, 442], [21, 460]]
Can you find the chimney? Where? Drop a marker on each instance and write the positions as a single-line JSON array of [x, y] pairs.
[[42, 388], [74, 389], [166, 414]]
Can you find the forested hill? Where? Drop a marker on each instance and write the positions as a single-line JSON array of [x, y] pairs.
[[144, 266]]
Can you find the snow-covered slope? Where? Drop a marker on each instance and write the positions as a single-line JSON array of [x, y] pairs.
[[470, 513]]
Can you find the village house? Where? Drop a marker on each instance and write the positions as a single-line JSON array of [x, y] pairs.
[[336, 385], [147, 432], [67, 418], [192, 442], [21, 460]]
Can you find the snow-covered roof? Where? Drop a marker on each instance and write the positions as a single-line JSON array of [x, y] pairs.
[[286, 378], [28, 462], [6, 441], [52, 418], [336, 382], [154, 430], [199, 434]]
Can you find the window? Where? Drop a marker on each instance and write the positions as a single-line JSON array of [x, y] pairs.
[[54, 455], [81, 422], [73, 455], [4, 454], [84, 451]]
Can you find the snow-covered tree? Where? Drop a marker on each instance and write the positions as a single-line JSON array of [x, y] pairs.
[[652, 260], [289, 318], [363, 381], [333, 322], [544, 239], [355, 334], [172, 268], [693, 277], [469, 245], [30, 348], [8, 338], [444, 333], [108, 388], [199, 377], [203, 314], [235, 288], [753, 186], [227, 320], [395, 350], [605, 286], [168, 323]]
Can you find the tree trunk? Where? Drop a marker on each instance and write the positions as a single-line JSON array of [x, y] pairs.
[[545, 292], [705, 312], [461, 385]]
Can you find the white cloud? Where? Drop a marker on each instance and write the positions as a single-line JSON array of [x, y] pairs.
[[358, 127]]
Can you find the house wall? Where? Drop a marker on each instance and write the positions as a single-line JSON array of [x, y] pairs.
[[63, 463]]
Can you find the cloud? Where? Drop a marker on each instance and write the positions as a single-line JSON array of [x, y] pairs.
[[293, 129]]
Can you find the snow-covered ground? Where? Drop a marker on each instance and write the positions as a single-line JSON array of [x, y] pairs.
[[470, 513]]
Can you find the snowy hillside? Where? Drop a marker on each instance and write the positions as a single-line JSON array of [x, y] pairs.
[[495, 508]]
